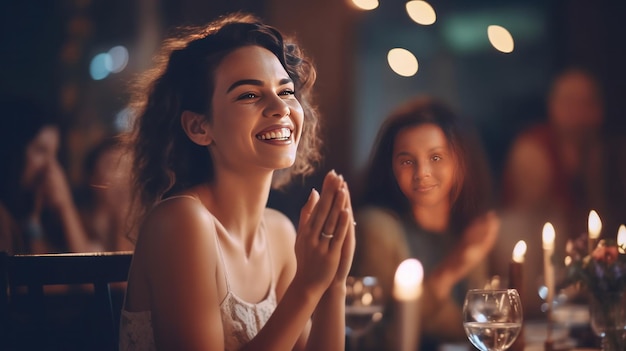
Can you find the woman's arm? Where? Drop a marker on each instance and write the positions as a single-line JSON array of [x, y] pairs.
[[57, 195], [473, 248]]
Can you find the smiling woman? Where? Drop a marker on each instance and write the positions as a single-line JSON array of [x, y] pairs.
[[226, 109]]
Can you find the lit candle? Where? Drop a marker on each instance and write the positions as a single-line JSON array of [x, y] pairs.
[[516, 278], [621, 239], [407, 290], [515, 267], [594, 227], [548, 271]]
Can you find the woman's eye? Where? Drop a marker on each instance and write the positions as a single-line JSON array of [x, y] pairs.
[[287, 92], [406, 162], [436, 158], [247, 96]]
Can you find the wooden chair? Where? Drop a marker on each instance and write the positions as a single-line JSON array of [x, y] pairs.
[[26, 318]]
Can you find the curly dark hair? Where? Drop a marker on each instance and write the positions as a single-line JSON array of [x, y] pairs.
[[165, 159], [380, 188]]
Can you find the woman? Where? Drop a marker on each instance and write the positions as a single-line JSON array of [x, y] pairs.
[[421, 200], [37, 210], [214, 269]]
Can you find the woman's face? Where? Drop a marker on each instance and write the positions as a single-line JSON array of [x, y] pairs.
[[39, 152], [424, 165], [256, 118]]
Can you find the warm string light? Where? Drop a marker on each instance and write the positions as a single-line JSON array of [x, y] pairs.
[[500, 38], [402, 61], [365, 4], [421, 12]]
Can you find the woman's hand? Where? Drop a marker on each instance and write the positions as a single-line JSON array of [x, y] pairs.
[[349, 243], [325, 222]]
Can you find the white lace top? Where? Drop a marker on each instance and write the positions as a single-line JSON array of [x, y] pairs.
[[241, 320]]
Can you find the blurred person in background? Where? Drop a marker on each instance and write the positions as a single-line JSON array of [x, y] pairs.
[[557, 171], [426, 195], [106, 195], [37, 209]]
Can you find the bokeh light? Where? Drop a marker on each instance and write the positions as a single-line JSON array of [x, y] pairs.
[[421, 12], [98, 67], [119, 59], [500, 38], [403, 62], [365, 4]]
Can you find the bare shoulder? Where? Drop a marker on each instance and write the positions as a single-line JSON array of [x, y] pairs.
[[175, 232]]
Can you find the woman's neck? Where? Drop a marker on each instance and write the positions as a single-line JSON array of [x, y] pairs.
[[238, 202], [432, 218]]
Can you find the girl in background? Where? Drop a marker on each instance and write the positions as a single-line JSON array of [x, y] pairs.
[[426, 196]]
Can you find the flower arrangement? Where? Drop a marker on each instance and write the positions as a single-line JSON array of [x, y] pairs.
[[601, 272]]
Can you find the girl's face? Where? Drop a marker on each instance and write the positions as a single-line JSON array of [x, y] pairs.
[[39, 152], [424, 165], [256, 118]]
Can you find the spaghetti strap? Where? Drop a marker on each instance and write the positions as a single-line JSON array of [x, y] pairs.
[[269, 256], [221, 254], [177, 197]]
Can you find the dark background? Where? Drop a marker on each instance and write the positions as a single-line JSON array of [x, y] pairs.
[[47, 46]]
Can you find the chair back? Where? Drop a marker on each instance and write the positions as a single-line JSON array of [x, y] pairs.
[[80, 285]]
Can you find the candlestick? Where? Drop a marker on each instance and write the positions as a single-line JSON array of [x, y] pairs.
[[621, 239], [406, 291], [516, 279], [548, 235], [594, 227]]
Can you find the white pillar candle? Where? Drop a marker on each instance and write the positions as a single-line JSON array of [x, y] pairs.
[[406, 291]]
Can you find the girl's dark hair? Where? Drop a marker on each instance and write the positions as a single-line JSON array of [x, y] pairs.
[[380, 187], [165, 160]]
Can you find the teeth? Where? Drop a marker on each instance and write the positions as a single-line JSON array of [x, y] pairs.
[[278, 134]]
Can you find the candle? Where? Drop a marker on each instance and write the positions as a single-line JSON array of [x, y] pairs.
[[621, 239], [548, 271], [406, 291], [515, 267], [516, 278], [594, 227]]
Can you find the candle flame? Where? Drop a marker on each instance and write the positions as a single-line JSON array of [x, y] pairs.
[[568, 260], [408, 280], [548, 235], [594, 225], [621, 239], [519, 251]]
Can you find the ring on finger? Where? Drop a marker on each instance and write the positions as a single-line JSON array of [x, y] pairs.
[[327, 236]]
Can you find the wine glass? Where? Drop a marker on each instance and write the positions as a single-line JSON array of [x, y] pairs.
[[492, 318], [364, 307]]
